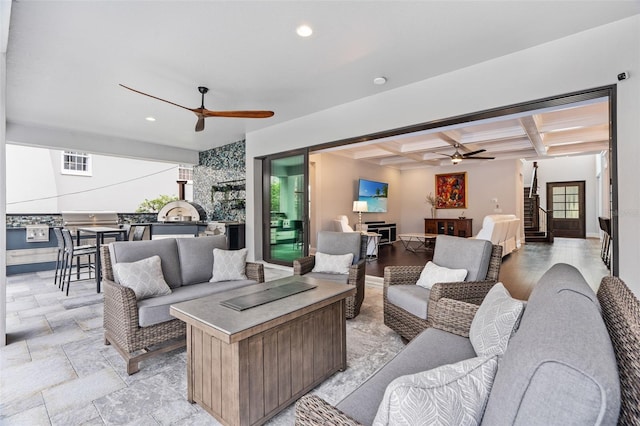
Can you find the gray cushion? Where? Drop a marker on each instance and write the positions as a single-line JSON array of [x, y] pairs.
[[196, 257], [430, 349], [339, 278], [340, 243], [156, 310], [560, 367], [452, 394], [495, 322], [229, 265], [464, 253], [412, 298], [144, 277], [167, 249]]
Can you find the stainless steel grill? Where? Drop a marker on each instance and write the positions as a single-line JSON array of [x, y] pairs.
[[74, 219]]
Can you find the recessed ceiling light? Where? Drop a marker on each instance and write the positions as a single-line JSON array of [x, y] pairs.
[[304, 30], [379, 81], [150, 118]]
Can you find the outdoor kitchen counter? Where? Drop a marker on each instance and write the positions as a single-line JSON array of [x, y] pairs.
[[175, 229]]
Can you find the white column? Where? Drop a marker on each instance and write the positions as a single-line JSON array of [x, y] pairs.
[[5, 13]]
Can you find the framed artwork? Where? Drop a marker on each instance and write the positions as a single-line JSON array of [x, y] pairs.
[[451, 191]]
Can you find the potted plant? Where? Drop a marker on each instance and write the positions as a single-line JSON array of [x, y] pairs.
[[433, 200]]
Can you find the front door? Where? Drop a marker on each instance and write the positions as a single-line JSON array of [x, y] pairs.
[[284, 189], [566, 201]]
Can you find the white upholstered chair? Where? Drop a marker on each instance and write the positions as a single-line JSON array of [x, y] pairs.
[[342, 224]]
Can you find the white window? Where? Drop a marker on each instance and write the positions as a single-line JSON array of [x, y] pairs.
[[76, 163], [185, 173]]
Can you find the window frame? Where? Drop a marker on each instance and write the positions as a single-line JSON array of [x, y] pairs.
[[88, 164]]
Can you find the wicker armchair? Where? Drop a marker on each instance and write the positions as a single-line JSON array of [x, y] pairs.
[[447, 253], [621, 314], [121, 323], [340, 243]]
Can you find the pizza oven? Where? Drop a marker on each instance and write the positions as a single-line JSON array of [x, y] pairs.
[[182, 211]]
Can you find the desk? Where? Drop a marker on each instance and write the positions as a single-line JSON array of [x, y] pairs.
[[421, 239], [100, 232]]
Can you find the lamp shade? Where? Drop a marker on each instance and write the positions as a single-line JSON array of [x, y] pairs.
[[360, 206]]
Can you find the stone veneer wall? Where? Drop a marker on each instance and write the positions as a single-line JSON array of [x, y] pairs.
[[218, 165], [18, 220]]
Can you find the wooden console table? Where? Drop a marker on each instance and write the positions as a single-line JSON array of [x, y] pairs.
[[455, 227], [243, 367]]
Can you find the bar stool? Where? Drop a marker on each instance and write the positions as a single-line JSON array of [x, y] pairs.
[[138, 232], [73, 255], [57, 280]]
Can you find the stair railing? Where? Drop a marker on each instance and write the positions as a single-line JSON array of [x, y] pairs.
[[546, 222]]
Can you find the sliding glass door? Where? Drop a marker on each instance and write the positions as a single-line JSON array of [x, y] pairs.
[[285, 183]]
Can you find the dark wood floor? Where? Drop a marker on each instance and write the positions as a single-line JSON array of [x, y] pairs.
[[520, 270]]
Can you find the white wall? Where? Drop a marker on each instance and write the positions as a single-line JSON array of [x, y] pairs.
[[135, 180], [336, 187], [585, 60], [565, 169], [485, 180], [336, 180], [32, 178]]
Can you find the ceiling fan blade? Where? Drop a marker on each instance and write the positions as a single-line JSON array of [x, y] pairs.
[[446, 155], [237, 114], [469, 154], [155, 97], [200, 123], [480, 158]]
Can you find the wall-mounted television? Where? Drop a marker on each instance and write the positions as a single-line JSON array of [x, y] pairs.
[[375, 194]]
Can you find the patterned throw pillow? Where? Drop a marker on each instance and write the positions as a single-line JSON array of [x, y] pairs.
[[229, 265], [453, 394], [433, 273], [495, 321], [333, 263], [144, 277]]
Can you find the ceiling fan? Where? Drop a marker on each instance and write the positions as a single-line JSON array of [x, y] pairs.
[[203, 113], [456, 157]]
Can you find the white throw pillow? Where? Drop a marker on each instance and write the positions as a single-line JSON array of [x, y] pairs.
[[144, 277], [333, 263], [229, 265], [495, 321], [433, 273], [453, 394]]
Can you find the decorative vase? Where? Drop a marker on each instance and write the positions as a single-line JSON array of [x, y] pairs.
[[434, 212]]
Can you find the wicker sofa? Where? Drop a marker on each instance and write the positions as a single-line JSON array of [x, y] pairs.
[[139, 329], [559, 367], [409, 309], [330, 242]]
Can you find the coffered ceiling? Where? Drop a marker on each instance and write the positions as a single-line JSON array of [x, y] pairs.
[[577, 129]]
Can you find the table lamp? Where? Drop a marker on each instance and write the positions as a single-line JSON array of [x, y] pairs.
[[360, 206]]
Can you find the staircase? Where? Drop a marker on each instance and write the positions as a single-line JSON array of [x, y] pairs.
[[532, 231], [535, 218]]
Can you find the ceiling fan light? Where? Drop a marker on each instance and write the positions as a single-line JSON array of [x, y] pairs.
[[456, 160]]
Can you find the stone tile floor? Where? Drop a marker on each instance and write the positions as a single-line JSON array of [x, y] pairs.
[[56, 370]]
